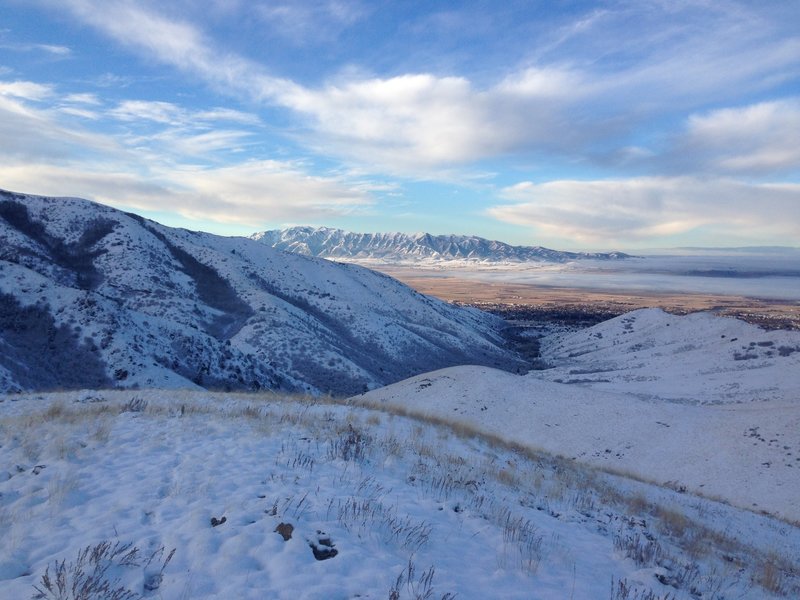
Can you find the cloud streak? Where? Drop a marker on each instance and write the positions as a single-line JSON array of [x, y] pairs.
[[757, 139]]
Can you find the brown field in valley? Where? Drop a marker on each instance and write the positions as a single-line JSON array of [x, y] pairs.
[[525, 300]]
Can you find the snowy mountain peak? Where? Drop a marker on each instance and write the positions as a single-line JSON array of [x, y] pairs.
[[400, 247]]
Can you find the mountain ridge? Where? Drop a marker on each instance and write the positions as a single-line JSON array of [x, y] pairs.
[[121, 301], [326, 242]]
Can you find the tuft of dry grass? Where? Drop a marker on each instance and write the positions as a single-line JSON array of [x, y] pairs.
[[508, 476], [55, 411], [771, 574], [672, 522], [637, 504], [100, 430]]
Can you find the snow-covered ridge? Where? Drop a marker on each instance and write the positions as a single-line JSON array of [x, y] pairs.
[[400, 247], [93, 297], [699, 358]]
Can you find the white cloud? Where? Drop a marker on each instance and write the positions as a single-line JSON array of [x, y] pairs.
[[82, 98], [652, 208], [263, 191], [44, 152], [167, 130], [139, 110], [547, 82], [310, 22], [114, 187], [173, 42], [30, 132], [411, 119], [409, 123], [227, 114], [52, 49], [420, 123], [26, 90], [183, 144], [60, 51], [248, 194], [168, 113], [760, 138], [79, 112]]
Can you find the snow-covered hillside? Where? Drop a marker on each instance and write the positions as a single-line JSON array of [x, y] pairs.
[[92, 297], [698, 358], [194, 495], [702, 404], [400, 247]]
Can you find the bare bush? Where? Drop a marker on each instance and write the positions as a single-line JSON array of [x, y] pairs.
[[134, 405], [642, 550], [419, 588], [90, 577], [622, 590], [87, 577], [350, 446]]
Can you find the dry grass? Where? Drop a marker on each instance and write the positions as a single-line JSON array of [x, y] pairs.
[[672, 522], [55, 411], [250, 411], [772, 574], [100, 430], [637, 504]]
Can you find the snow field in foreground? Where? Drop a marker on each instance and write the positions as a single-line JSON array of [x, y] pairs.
[[391, 495]]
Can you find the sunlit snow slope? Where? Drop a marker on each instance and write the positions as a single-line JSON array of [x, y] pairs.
[[91, 297]]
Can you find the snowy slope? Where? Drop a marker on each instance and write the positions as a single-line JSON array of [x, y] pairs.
[[697, 358], [698, 420], [400, 247], [92, 297], [747, 455], [241, 487]]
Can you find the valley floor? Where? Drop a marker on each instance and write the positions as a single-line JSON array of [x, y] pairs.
[[585, 305]]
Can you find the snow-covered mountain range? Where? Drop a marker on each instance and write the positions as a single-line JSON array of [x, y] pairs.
[[325, 242], [92, 297]]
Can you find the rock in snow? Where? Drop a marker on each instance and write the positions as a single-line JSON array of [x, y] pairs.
[[94, 297]]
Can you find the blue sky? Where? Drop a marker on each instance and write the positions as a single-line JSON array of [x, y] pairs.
[[577, 125]]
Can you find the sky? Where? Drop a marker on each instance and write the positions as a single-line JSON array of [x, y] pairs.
[[569, 124]]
